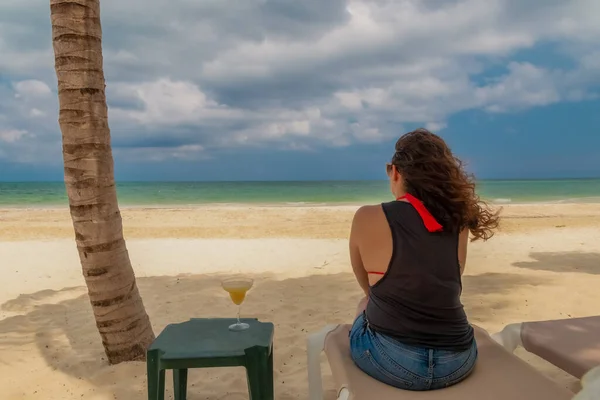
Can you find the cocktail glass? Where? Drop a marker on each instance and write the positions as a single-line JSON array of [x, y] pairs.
[[237, 289]]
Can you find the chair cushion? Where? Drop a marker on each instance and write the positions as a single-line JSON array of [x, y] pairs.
[[498, 375], [573, 344]]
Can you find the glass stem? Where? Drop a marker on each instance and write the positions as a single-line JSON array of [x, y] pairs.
[[239, 312]]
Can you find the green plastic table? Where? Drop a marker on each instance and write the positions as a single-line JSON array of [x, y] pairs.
[[204, 343]]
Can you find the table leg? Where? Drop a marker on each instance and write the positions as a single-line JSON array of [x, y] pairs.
[[269, 377], [161, 385], [156, 376], [260, 373], [180, 383]]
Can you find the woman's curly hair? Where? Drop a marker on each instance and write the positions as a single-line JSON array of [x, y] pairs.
[[435, 176]]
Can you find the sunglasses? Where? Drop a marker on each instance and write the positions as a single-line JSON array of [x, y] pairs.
[[397, 156]]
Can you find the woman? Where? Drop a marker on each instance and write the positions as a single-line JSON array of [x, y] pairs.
[[408, 256]]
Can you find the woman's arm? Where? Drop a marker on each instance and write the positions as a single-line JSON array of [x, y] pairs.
[[355, 259], [463, 241]]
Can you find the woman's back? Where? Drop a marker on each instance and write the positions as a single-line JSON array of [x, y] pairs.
[[408, 257], [417, 301]]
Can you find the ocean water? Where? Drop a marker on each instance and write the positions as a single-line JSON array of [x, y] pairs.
[[49, 194]]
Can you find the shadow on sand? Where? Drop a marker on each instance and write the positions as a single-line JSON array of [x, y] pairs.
[[61, 326], [564, 261]]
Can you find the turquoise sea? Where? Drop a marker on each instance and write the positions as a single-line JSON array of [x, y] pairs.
[[50, 194]]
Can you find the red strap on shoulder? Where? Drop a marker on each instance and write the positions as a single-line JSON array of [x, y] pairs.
[[430, 222]]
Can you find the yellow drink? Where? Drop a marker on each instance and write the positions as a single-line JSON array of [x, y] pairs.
[[237, 295], [237, 289]]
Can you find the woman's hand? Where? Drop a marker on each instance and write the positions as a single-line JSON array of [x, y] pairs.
[[362, 305]]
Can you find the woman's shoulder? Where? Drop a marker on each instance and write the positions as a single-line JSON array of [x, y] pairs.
[[368, 210], [367, 214]]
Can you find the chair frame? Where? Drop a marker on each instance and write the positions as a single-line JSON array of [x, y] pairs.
[[315, 346], [510, 337]]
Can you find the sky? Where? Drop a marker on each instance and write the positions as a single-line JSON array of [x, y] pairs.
[[313, 89]]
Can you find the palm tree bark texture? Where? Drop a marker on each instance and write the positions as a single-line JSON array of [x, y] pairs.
[[120, 315]]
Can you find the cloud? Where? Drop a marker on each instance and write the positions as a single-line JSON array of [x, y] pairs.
[[185, 79], [435, 126], [524, 86], [145, 154], [11, 136], [167, 102], [31, 88]]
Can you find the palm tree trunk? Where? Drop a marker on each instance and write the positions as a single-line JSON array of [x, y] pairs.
[[88, 164]]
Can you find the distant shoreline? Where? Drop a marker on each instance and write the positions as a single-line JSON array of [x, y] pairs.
[[495, 203]]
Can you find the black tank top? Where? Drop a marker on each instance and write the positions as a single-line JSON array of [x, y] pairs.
[[417, 301]]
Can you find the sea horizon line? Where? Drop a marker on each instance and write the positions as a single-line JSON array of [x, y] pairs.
[[309, 180]]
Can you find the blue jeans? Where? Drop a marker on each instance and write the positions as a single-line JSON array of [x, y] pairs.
[[404, 366]]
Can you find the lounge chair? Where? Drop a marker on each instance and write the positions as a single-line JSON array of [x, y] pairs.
[[498, 374], [572, 345]]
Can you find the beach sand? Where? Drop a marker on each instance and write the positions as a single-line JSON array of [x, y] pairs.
[[543, 264]]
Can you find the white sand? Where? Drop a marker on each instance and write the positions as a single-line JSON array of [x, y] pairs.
[[50, 349]]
